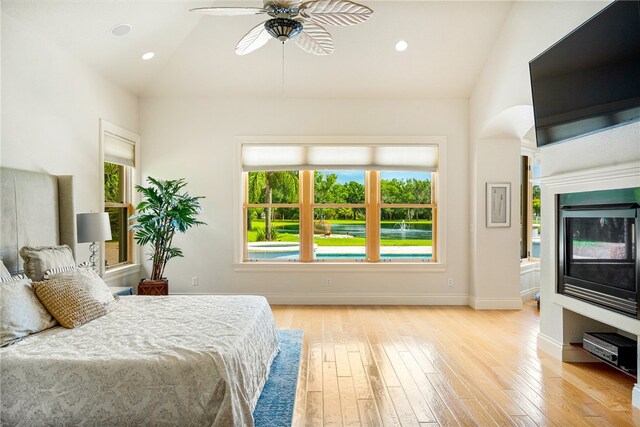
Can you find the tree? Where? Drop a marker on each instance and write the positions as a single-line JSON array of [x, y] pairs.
[[112, 194], [263, 185], [405, 191], [324, 187], [536, 201]]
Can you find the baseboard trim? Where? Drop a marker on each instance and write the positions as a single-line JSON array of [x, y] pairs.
[[565, 352], [635, 396], [366, 299], [550, 346], [528, 294], [495, 303], [358, 299]]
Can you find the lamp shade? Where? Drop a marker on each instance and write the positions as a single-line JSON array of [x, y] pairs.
[[93, 227]]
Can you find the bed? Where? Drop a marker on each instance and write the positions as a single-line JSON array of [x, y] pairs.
[[175, 360]]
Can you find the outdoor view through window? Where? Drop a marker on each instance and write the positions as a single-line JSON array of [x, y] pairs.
[[117, 205], [356, 215]]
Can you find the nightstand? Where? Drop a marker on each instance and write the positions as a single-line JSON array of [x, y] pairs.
[[121, 290]]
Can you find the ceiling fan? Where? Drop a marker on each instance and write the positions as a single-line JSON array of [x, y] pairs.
[[292, 18]]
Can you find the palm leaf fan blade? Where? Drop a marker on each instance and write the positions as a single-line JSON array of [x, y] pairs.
[[315, 40], [335, 12], [253, 40]]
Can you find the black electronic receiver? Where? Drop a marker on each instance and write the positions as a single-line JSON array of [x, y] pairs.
[[614, 348]]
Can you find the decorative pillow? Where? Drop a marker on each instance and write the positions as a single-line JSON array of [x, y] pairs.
[[89, 280], [21, 313], [57, 270], [68, 302], [3, 270], [37, 260], [14, 278]]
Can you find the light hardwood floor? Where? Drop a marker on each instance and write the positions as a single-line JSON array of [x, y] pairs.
[[428, 366]]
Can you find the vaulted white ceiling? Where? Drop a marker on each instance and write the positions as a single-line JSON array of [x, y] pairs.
[[449, 42]]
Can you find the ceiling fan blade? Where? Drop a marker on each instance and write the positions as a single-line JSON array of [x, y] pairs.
[[315, 39], [335, 12], [284, 3], [229, 11], [292, 3], [253, 40]]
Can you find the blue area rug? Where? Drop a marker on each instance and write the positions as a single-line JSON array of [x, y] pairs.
[[275, 405]]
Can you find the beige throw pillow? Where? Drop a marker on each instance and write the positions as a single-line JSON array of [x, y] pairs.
[[21, 313], [90, 282], [37, 260], [68, 302]]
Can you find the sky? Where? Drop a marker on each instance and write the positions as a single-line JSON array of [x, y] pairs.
[[358, 176]]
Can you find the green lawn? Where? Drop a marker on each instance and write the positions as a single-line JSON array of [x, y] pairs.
[[329, 241]]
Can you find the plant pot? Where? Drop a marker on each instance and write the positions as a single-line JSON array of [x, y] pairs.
[[153, 287]]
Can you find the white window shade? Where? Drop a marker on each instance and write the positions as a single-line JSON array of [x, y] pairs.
[[257, 157], [272, 157], [119, 150]]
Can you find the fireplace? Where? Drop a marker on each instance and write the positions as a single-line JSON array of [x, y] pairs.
[[597, 248]]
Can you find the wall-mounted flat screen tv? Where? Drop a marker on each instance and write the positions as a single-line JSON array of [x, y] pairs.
[[589, 80]]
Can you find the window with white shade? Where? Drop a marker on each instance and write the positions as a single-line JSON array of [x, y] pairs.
[[119, 161], [328, 202]]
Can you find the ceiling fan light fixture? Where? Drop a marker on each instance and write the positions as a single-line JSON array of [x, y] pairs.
[[283, 29]]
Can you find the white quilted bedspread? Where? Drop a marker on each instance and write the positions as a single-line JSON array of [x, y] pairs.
[[176, 360]]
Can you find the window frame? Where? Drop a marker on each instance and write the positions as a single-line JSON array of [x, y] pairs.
[[438, 205], [130, 197], [434, 217], [127, 189], [527, 160]]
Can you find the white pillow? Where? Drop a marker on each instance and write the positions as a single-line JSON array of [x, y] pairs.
[[90, 281], [14, 278], [3, 270], [21, 313], [39, 259]]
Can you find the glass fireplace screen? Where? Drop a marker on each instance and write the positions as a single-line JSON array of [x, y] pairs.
[[602, 250]]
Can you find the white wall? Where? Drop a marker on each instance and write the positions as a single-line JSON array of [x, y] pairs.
[[195, 139], [500, 116], [612, 147], [529, 280], [503, 92], [51, 105]]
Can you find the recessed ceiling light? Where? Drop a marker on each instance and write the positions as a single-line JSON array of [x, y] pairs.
[[402, 45], [147, 56], [121, 30]]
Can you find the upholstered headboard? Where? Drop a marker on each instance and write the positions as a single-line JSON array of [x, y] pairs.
[[36, 209]]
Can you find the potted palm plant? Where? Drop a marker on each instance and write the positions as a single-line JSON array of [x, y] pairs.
[[163, 211]]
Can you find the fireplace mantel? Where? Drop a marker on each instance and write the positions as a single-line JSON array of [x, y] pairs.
[[622, 175], [563, 319]]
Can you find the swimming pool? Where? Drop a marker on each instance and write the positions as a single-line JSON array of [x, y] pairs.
[[291, 251], [388, 231]]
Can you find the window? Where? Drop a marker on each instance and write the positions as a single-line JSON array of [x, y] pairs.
[[339, 215], [118, 171], [406, 221], [529, 208], [328, 202]]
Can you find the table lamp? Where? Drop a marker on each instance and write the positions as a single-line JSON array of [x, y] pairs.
[[93, 227]]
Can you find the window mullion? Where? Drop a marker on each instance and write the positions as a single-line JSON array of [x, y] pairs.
[[373, 215], [245, 216], [529, 213], [306, 216]]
